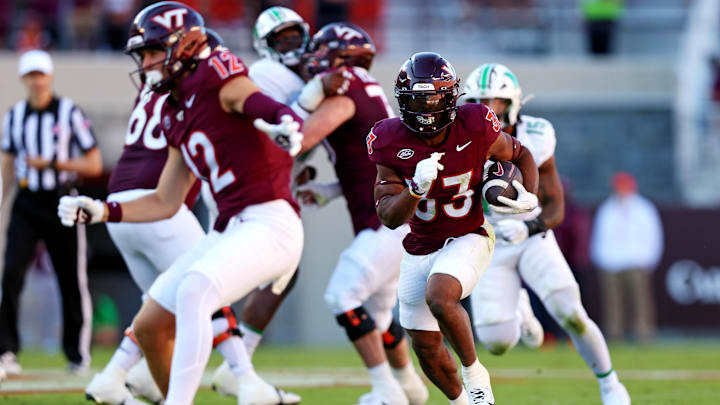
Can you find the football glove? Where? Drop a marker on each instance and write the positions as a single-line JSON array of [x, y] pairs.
[[426, 172], [525, 201], [81, 209], [512, 231], [286, 134], [313, 195]]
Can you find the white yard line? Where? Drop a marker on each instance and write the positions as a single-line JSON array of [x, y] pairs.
[[59, 380]]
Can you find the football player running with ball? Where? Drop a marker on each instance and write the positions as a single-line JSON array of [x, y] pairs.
[[526, 248], [257, 239], [363, 287], [429, 170]]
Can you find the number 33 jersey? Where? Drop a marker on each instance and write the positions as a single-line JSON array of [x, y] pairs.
[[452, 207], [242, 165]]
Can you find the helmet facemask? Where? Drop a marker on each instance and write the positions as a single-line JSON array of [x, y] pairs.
[[183, 54], [271, 22], [427, 112]]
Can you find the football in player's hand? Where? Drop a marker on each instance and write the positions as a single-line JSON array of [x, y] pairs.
[[497, 181]]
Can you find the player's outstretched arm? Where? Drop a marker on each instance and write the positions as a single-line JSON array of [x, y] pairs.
[[328, 117], [551, 195], [506, 148], [175, 181], [394, 204]]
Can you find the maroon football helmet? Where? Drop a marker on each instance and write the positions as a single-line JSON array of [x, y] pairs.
[[173, 27], [427, 90], [214, 40], [336, 45]]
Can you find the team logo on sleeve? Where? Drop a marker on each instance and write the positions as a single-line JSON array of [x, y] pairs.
[[369, 140], [494, 119], [405, 153]]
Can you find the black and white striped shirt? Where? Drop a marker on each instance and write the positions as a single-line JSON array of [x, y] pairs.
[[59, 132]]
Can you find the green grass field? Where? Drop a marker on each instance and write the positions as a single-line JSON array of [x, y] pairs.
[[676, 373]]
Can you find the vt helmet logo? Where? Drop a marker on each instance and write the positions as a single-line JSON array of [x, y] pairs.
[[170, 19]]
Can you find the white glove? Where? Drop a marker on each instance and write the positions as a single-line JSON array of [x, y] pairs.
[[426, 172], [525, 201], [313, 195], [81, 209], [286, 134], [512, 231]]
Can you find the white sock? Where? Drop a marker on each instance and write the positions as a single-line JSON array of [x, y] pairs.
[[405, 374], [380, 374], [476, 375], [251, 338], [197, 299], [234, 352], [608, 380], [463, 399], [125, 357]]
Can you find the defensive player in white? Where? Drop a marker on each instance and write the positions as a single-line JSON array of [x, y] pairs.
[[526, 248], [150, 248]]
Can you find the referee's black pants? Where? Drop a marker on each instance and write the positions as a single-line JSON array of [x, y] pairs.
[[34, 218]]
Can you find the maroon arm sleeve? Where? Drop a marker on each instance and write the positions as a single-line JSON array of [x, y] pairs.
[[258, 105]]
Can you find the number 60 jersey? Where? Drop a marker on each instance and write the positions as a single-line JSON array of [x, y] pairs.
[[452, 207], [145, 150]]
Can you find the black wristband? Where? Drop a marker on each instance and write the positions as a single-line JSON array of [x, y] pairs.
[[53, 162], [536, 226]]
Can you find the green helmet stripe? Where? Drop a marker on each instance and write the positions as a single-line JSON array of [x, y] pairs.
[[486, 72], [513, 78], [275, 14]]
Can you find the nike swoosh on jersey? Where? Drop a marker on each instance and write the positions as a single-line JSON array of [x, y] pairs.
[[189, 102], [459, 148]]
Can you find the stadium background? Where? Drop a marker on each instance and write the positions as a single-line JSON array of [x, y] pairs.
[[651, 107]]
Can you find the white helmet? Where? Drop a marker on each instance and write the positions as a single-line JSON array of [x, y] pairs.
[[273, 20], [493, 80]]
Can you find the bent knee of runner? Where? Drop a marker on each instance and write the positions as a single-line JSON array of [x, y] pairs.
[[442, 294]]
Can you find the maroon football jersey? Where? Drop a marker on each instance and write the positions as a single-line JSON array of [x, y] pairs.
[[354, 170], [453, 206], [145, 151], [243, 166]]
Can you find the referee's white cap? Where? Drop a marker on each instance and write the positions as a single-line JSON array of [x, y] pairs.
[[35, 61]]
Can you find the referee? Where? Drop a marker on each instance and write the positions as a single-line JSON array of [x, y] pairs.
[[46, 144]]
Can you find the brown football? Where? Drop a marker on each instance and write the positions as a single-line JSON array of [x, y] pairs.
[[497, 181]]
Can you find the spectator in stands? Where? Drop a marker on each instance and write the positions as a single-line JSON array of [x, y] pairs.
[[329, 11], [117, 15], [600, 23], [83, 24], [626, 245], [31, 35]]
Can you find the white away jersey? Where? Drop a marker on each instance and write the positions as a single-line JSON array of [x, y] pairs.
[[276, 80], [538, 135]]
